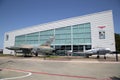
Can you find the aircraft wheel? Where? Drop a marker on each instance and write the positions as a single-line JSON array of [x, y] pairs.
[[104, 57], [87, 56], [98, 56], [36, 54]]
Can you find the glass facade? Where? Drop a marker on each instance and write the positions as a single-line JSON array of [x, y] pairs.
[[74, 37], [63, 36], [81, 34], [32, 38], [19, 40], [45, 35]]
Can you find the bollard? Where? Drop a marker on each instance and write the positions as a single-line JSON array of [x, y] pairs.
[[116, 55]]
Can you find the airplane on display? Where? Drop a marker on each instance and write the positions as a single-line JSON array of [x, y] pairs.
[[47, 49], [30, 50], [96, 51]]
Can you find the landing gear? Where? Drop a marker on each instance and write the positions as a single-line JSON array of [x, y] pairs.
[[87, 56], [36, 54], [104, 57], [98, 56]]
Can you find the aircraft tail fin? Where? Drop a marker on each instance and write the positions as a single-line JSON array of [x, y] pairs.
[[48, 42]]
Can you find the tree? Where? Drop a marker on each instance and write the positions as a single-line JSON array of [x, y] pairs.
[[117, 41]]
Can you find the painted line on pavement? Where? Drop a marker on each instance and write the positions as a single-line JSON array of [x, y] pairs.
[[54, 74], [19, 77]]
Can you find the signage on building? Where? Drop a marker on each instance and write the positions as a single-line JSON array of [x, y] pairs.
[[101, 32], [101, 27]]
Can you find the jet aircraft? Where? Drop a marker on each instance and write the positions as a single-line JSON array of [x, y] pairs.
[[30, 50], [96, 51]]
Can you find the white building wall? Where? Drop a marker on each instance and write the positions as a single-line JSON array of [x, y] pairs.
[[106, 20], [97, 19]]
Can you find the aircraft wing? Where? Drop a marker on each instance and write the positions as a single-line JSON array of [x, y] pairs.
[[13, 48], [23, 47]]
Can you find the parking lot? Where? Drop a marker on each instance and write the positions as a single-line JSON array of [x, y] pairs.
[[13, 68]]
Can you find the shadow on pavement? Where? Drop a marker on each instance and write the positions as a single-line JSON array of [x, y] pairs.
[[115, 78]]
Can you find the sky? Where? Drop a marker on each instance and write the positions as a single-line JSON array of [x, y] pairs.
[[18, 14]]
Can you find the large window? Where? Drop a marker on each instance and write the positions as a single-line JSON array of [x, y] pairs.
[[82, 34], [66, 38], [45, 35], [19, 40], [63, 36], [27, 39], [32, 38]]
